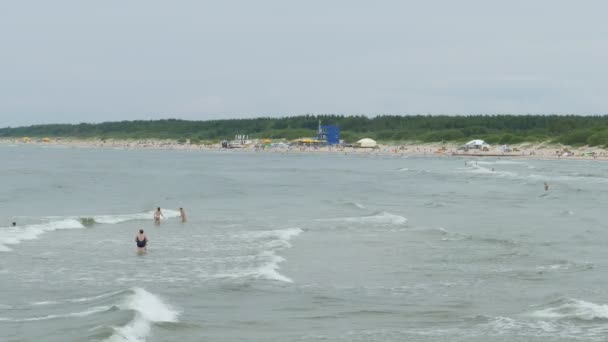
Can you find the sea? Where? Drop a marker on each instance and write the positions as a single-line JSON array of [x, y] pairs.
[[283, 246]]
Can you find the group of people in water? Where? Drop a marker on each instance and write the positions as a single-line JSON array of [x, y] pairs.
[[141, 240], [474, 163]]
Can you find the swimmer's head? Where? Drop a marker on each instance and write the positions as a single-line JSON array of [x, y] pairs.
[[158, 208], [14, 224], [141, 231]]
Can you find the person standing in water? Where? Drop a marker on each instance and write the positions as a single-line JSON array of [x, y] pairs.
[[157, 215], [182, 214], [141, 240], [546, 186]]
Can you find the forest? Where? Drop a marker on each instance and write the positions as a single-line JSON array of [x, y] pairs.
[[495, 129]]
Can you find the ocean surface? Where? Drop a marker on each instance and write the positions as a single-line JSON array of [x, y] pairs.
[[300, 247]]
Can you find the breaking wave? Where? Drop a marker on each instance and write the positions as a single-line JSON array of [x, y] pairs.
[[149, 309], [267, 262], [573, 309], [14, 235]]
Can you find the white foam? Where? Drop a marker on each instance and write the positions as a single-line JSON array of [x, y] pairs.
[[14, 235], [355, 204], [269, 270], [574, 309], [485, 171], [279, 239], [381, 218], [85, 313], [78, 300], [506, 325], [358, 205], [283, 235], [45, 302], [149, 309], [88, 299]]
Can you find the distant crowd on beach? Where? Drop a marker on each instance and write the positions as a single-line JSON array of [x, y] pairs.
[[523, 150]]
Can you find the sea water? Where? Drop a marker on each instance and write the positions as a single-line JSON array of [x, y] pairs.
[[300, 247]]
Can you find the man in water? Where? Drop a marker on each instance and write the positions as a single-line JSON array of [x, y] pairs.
[[182, 214], [546, 186], [14, 224], [141, 240], [157, 215]]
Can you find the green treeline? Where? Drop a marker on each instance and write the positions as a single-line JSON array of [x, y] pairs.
[[495, 129]]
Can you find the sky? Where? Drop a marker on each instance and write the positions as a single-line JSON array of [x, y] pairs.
[[94, 61]]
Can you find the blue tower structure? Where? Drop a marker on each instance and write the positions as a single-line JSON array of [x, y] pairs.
[[330, 134]]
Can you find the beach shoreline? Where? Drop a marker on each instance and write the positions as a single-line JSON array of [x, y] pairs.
[[524, 150]]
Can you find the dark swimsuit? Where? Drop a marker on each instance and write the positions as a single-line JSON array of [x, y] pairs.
[[141, 244]]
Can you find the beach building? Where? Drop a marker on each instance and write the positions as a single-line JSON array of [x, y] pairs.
[[240, 140], [476, 144], [367, 143], [329, 133]]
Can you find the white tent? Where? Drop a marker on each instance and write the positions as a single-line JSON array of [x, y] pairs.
[[366, 142], [476, 144]]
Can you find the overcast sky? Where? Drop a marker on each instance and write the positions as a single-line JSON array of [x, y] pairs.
[[106, 60]]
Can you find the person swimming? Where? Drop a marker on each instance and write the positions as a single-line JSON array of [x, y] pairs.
[[141, 240], [182, 214], [546, 186], [157, 215]]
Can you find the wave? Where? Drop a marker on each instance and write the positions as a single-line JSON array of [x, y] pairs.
[[383, 218], [14, 235], [565, 266], [80, 299], [355, 204], [268, 261], [575, 177], [149, 309], [451, 236], [278, 237], [573, 309], [541, 329], [88, 312], [486, 171], [269, 270]]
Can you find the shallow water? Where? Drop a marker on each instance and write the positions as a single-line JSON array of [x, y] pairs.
[[300, 247]]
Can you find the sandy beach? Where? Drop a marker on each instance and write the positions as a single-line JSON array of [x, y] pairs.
[[536, 150]]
